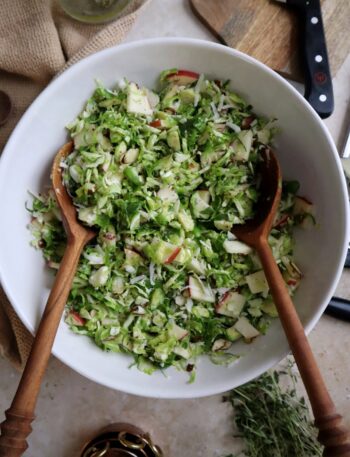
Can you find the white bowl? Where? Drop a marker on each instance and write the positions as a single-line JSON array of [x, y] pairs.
[[305, 149]]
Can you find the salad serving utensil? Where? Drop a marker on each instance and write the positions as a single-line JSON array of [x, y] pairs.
[[332, 433], [16, 427]]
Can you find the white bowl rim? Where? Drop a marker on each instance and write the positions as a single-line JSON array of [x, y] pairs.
[[5, 156]]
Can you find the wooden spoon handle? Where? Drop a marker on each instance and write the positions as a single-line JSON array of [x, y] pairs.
[[16, 427], [332, 434]]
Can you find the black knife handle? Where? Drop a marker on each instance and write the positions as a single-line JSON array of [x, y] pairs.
[[318, 79], [339, 307]]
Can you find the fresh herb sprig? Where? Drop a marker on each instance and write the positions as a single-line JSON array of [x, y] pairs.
[[273, 420]]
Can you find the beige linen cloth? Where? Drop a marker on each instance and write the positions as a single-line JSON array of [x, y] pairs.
[[37, 41]]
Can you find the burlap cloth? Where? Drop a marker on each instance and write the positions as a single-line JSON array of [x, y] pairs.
[[38, 40]]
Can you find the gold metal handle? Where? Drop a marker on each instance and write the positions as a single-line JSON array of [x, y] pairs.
[[141, 443], [145, 440], [97, 452]]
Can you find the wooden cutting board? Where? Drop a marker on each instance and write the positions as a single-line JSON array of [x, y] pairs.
[[270, 32]]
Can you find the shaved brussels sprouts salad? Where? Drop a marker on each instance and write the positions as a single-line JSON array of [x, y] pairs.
[[162, 177]]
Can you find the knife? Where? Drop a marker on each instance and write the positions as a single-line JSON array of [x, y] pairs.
[[318, 80]]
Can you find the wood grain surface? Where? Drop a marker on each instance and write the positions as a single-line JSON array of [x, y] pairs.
[[270, 32]]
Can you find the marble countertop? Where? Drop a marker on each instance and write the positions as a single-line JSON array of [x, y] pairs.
[[72, 408]]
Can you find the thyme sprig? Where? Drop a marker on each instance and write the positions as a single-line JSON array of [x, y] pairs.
[[273, 420]]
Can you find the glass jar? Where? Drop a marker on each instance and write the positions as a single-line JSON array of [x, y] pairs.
[[93, 11]]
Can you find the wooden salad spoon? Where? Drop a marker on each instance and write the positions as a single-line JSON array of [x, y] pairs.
[[332, 434], [16, 427]]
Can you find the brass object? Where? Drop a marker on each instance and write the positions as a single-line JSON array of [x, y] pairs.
[[121, 440]]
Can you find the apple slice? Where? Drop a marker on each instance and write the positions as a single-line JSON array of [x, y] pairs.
[[182, 77], [231, 304], [245, 328], [161, 252], [223, 225], [178, 332], [236, 247], [132, 258], [153, 98], [182, 352], [200, 291], [183, 256], [131, 155], [137, 101], [221, 345], [257, 283]]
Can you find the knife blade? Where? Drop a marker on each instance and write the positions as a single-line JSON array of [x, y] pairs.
[[318, 80]]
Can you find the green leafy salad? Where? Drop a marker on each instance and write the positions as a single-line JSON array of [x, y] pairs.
[[162, 177]]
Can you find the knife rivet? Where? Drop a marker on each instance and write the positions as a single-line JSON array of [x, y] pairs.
[[314, 20]]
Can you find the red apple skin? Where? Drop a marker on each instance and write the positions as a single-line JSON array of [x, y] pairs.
[[156, 123], [79, 321], [224, 299], [246, 122], [183, 77], [172, 256], [281, 222]]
